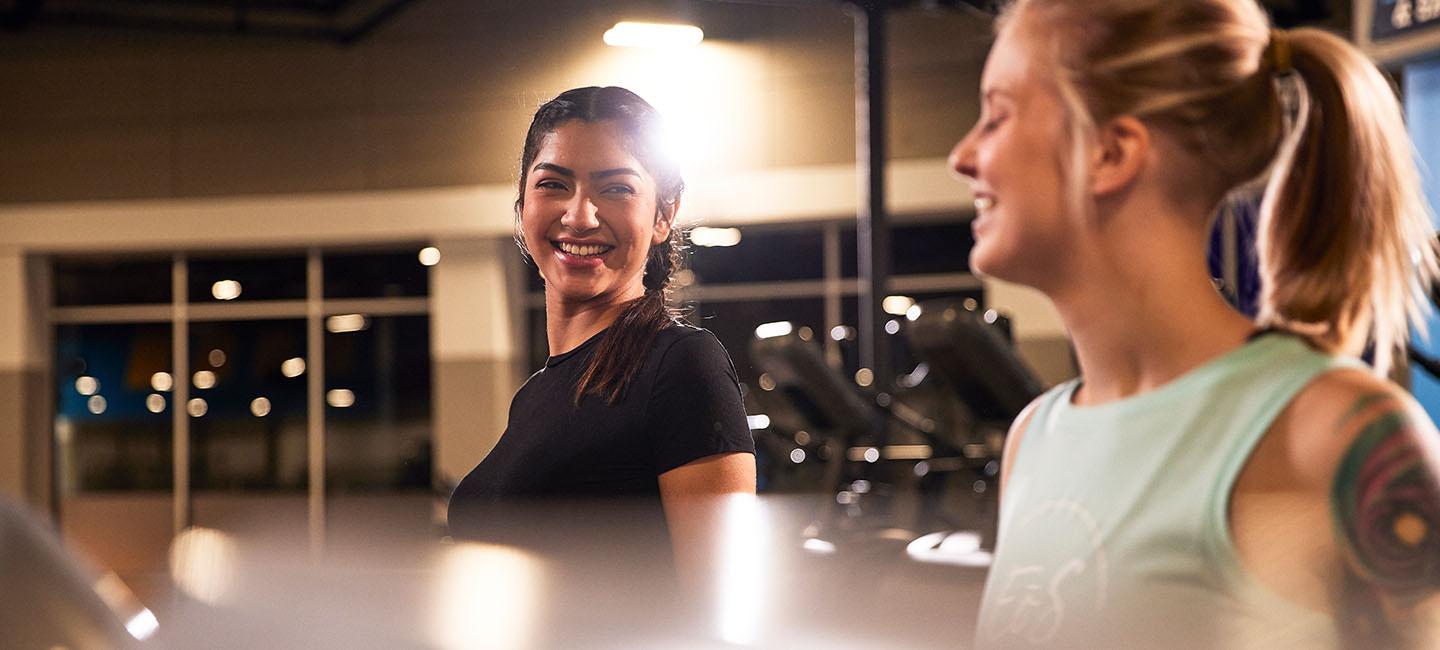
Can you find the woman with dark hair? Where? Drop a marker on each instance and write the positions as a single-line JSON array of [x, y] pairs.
[[631, 402]]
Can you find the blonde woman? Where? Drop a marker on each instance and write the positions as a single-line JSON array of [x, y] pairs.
[[1208, 481]]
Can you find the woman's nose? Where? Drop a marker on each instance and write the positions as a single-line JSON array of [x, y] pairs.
[[581, 215], [962, 157]]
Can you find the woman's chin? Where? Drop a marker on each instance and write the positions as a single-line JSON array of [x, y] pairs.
[[995, 265]]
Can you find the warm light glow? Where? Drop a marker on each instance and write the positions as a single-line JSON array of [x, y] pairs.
[[767, 383], [340, 398], [342, 323], [155, 403], [142, 625], [954, 548], [744, 564], [818, 546], [204, 379], [202, 564], [864, 377], [653, 35], [872, 455], [429, 256], [487, 596], [908, 452], [797, 455], [260, 407], [96, 404], [293, 367], [897, 305], [714, 237], [197, 408], [772, 330], [87, 385], [913, 313], [759, 421], [991, 315], [162, 382], [225, 290], [217, 358]]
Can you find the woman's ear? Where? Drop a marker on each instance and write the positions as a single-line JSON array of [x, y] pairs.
[[665, 220], [1122, 151]]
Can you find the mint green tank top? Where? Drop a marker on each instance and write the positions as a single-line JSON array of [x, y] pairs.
[[1114, 531]]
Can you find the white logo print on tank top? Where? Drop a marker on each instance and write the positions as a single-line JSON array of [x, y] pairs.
[[1035, 601]]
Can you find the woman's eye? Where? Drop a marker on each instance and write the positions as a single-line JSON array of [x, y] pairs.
[[549, 184], [620, 189], [991, 124]]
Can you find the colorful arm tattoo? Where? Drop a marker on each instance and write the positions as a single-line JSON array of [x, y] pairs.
[[1386, 501]]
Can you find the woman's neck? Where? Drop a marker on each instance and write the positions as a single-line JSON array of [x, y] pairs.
[[570, 323], [1145, 311]]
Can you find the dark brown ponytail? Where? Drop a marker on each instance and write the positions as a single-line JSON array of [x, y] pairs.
[[622, 349]]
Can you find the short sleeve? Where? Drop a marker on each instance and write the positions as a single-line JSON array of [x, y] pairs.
[[695, 409]]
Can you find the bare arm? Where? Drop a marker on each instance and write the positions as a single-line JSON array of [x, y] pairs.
[[697, 497], [1385, 500]]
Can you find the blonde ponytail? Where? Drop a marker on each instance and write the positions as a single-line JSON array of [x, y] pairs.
[[1346, 241]]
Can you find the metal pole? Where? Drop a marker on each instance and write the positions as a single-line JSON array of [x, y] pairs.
[[872, 223], [180, 387], [315, 397]]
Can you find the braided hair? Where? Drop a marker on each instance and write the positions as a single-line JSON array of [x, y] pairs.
[[621, 348]]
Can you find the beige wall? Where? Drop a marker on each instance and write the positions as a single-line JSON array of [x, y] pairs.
[[124, 141], [24, 381], [441, 95]]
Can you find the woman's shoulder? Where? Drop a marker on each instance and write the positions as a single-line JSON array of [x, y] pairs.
[[685, 352], [683, 340], [1340, 411]]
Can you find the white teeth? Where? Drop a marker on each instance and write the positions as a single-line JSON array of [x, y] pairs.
[[983, 203], [582, 249]]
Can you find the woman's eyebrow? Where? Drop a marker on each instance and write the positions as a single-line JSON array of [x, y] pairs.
[[618, 171], [552, 167]]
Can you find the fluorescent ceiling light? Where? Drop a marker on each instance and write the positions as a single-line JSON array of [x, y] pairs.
[[633, 34]]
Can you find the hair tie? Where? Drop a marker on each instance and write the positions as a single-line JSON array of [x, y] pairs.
[[1277, 52]]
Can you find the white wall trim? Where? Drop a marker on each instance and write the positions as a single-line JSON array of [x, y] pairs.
[[356, 218]]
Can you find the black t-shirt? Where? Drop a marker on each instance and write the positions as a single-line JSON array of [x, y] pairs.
[[684, 404]]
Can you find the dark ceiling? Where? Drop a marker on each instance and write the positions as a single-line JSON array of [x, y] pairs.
[[348, 21], [342, 21]]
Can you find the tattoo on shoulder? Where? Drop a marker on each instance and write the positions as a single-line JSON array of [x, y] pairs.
[[1387, 503]]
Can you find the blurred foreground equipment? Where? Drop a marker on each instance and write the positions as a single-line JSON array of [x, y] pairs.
[[50, 600]]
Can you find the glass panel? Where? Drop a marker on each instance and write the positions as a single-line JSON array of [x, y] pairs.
[[224, 279], [109, 280], [112, 427], [734, 324], [373, 275], [113, 453], [932, 248], [763, 254], [377, 419], [918, 248], [247, 406]]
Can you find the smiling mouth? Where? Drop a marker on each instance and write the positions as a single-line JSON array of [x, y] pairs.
[[582, 250], [984, 202]]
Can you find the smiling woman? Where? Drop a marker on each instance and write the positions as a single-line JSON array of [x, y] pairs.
[[631, 402]]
